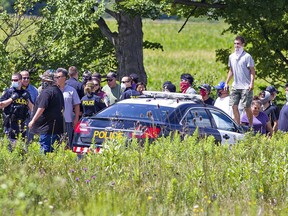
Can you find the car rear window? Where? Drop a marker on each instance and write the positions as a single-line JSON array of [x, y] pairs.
[[137, 111]]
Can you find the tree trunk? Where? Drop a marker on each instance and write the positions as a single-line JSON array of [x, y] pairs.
[[129, 46], [128, 43]]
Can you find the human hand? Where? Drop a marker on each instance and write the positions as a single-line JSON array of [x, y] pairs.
[[30, 125], [226, 87], [26, 95], [15, 96]]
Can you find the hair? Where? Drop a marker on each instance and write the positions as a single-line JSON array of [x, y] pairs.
[[63, 71], [140, 83], [24, 71], [73, 71], [88, 87], [18, 75], [188, 77], [96, 75], [240, 38], [256, 100], [286, 85], [129, 78]]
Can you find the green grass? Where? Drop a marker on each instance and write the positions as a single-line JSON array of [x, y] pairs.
[[192, 177], [190, 51]]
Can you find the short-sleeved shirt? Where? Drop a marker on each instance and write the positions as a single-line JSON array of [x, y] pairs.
[[18, 109], [240, 66], [190, 90], [223, 104], [259, 122], [71, 99], [33, 92], [272, 111], [51, 120], [113, 93], [209, 101], [129, 93], [283, 119], [92, 104], [76, 85]]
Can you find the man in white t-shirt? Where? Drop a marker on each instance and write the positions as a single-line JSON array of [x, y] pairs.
[[241, 67], [222, 102]]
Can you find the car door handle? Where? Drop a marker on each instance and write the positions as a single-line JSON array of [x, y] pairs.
[[226, 136]]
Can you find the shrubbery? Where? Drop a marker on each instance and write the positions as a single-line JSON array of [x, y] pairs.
[[165, 178]]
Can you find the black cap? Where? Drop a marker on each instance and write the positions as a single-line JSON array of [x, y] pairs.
[[170, 87], [272, 89], [111, 75], [207, 87]]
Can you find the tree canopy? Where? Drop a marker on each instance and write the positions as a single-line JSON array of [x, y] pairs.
[[76, 33]]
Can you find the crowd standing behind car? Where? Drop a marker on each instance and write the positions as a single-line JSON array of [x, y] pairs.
[[58, 107]]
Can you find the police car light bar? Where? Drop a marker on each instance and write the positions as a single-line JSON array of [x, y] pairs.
[[172, 95]]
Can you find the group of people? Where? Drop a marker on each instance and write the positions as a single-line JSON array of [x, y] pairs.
[[57, 105], [257, 112]]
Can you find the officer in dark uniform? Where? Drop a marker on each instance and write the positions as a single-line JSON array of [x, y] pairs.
[[16, 103], [91, 103]]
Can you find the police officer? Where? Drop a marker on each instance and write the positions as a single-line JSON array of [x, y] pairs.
[[91, 102], [16, 103]]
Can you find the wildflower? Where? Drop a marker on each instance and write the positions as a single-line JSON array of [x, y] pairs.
[[77, 179], [40, 203], [4, 186], [93, 177], [51, 207], [261, 190], [72, 170], [87, 181], [149, 197], [85, 169]]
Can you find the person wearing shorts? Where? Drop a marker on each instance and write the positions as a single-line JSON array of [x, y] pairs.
[[241, 67]]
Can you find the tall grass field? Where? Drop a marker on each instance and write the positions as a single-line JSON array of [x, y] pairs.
[[168, 177], [190, 51]]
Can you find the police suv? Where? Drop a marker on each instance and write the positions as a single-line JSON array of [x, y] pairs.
[[153, 115]]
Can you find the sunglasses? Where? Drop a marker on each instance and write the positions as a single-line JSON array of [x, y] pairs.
[[14, 80], [57, 77], [124, 81], [96, 84], [25, 78], [109, 80]]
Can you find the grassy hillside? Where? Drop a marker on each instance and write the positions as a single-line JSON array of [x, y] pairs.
[[190, 51]]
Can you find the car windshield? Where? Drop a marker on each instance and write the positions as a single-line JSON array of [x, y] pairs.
[[137, 111]]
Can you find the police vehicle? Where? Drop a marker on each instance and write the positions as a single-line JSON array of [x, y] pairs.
[[153, 115]]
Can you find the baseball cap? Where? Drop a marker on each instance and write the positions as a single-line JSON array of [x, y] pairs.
[[220, 85], [207, 87], [166, 83], [272, 89], [111, 75], [170, 87], [265, 97], [134, 77], [48, 75]]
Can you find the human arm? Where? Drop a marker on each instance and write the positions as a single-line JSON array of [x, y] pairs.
[[10, 100], [269, 128], [77, 114], [38, 113], [252, 75], [229, 77]]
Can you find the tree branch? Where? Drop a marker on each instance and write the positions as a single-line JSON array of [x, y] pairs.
[[265, 36], [187, 19], [106, 31], [202, 4]]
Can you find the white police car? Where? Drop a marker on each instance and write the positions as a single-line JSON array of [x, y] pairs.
[[152, 115]]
